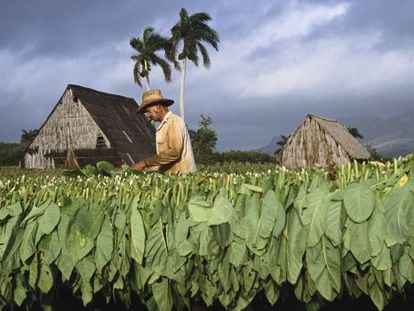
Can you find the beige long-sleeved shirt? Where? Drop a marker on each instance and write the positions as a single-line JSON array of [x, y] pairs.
[[174, 151]]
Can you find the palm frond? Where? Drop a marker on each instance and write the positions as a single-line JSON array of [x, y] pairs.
[[183, 14], [200, 17], [191, 54], [170, 52], [166, 69], [147, 32], [204, 54]]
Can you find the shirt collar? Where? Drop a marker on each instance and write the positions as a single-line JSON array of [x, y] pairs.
[[166, 117]]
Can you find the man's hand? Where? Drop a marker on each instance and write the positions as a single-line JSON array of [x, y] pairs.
[[140, 165]]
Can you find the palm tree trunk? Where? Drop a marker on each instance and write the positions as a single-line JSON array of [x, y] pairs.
[[183, 72], [147, 76], [147, 83]]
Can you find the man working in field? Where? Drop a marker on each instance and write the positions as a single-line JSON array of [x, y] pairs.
[[174, 151]]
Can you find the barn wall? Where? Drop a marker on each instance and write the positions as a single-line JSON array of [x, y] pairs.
[[311, 146], [69, 126]]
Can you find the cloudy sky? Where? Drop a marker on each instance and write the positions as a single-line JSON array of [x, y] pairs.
[[277, 60]]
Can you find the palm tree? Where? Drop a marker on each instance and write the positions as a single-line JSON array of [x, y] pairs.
[[28, 136], [282, 142], [147, 49], [354, 132], [192, 31]]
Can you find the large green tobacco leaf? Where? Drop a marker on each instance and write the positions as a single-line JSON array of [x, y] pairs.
[[406, 266], [28, 246], [9, 251], [137, 235], [376, 293], [50, 218], [6, 234], [222, 234], [20, 291], [199, 209], [162, 294], [47, 221], [35, 212], [382, 261], [79, 239], [273, 208], [183, 244], [333, 222], [250, 220], [222, 209], [156, 249], [397, 209], [356, 239], [314, 214], [376, 231], [250, 225], [175, 269], [220, 212], [278, 265], [13, 210], [86, 268], [359, 201], [237, 252], [323, 263], [105, 167], [104, 245], [45, 281], [270, 209], [296, 247], [271, 291], [53, 248], [300, 200], [207, 243]]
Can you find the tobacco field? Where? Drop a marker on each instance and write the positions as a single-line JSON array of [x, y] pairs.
[[221, 236]]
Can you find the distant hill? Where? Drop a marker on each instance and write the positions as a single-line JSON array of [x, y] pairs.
[[271, 147], [392, 136]]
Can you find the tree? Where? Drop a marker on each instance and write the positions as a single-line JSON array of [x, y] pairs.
[[191, 31], [204, 140], [28, 136], [354, 132], [147, 48], [374, 154], [11, 153], [281, 143]]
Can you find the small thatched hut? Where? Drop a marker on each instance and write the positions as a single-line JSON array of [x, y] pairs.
[[87, 126], [321, 142]]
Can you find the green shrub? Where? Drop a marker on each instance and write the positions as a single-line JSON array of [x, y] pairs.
[[10, 153]]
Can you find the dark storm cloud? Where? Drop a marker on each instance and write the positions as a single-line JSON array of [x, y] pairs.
[[71, 27], [393, 18], [278, 60]]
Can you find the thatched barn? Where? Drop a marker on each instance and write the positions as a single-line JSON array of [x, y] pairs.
[[87, 126], [320, 142]]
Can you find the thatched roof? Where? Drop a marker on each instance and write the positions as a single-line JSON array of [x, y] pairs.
[[116, 114], [131, 136], [342, 136], [320, 142]]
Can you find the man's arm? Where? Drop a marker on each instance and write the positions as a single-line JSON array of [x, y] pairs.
[[173, 149], [140, 165]]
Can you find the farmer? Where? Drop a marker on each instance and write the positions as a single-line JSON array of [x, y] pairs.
[[174, 151]]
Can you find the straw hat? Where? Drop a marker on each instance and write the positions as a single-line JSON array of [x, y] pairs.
[[153, 97]]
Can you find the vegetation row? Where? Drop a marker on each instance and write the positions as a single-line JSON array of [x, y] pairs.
[[224, 238]]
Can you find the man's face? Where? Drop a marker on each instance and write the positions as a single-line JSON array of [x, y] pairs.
[[154, 113]]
